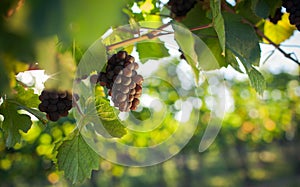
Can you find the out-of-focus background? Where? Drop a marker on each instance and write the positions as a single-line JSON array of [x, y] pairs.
[[258, 144]]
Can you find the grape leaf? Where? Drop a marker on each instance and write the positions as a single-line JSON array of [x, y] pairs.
[[279, 32], [273, 5], [231, 59], [120, 34], [104, 110], [218, 22], [186, 42], [257, 80], [77, 159], [95, 18], [241, 39], [109, 118], [206, 58], [244, 9], [197, 16], [260, 8], [26, 97], [142, 115], [13, 122], [93, 60], [151, 50]]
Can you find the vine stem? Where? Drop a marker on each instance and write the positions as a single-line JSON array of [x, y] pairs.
[[287, 55], [151, 35], [260, 33], [201, 27]]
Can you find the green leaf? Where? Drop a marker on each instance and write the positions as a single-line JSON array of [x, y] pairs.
[[241, 39], [91, 19], [279, 32], [273, 5], [151, 50], [26, 97], [261, 8], [206, 58], [257, 80], [231, 59], [186, 42], [13, 122], [218, 22], [115, 128], [104, 110], [244, 9], [109, 118], [93, 60], [142, 115], [197, 16], [120, 34], [77, 159]]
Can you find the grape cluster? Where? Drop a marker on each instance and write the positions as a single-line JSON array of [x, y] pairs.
[[122, 81], [55, 104], [181, 7], [277, 16], [293, 7]]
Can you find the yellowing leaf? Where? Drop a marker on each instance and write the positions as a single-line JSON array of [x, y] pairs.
[[147, 6], [279, 32]]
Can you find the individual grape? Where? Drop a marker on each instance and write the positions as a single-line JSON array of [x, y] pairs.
[[132, 91], [63, 95], [136, 66], [93, 79], [120, 97], [125, 89], [53, 116], [122, 55], [118, 80], [138, 79], [126, 81], [138, 89], [42, 108], [135, 103], [131, 97], [130, 59], [132, 85], [117, 69], [127, 72]]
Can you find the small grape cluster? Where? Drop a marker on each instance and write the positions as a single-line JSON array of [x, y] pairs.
[[122, 81], [55, 104], [181, 7], [277, 16], [293, 7]]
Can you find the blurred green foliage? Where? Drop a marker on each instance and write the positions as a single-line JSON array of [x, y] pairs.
[[257, 145]]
